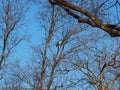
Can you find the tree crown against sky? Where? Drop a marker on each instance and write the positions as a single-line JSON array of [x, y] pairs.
[[86, 57]]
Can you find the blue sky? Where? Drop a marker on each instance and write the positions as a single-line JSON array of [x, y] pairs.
[[30, 28]]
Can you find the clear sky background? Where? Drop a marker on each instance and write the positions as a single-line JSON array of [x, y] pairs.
[[31, 30]]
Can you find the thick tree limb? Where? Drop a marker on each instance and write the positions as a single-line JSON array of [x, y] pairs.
[[92, 20]]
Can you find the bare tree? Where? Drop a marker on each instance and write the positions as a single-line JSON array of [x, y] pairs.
[[72, 55], [48, 59], [12, 83], [100, 67], [11, 13]]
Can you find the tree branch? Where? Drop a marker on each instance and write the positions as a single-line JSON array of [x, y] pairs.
[[93, 20]]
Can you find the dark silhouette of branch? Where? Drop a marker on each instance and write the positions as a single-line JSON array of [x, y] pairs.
[[92, 20]]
